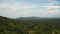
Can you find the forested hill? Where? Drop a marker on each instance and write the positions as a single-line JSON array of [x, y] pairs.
[[29, 25], [38, 19], [9, 26]]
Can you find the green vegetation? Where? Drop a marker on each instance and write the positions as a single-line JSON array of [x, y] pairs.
[[29, 25]]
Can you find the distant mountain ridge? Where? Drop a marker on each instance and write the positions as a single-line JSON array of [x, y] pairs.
[[35, 18]]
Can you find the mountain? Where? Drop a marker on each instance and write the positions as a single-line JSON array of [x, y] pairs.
[[37, 19], [29, 25], [9, 26]]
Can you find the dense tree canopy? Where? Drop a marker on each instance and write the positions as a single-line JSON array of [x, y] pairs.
[[29, 25]]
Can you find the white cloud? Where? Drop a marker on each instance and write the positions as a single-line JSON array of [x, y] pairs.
[[48, 13], [24, 10], [52, 7], [14, 7], [15, 10]]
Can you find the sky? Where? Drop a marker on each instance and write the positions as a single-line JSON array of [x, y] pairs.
[[29, 8]]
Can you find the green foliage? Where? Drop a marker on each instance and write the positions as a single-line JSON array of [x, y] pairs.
[[29, 26]]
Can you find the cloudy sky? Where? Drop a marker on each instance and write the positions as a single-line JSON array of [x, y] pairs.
[[28, 8]]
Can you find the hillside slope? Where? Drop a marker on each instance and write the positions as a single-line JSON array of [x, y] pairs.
[[29, 26], [9, 26]]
